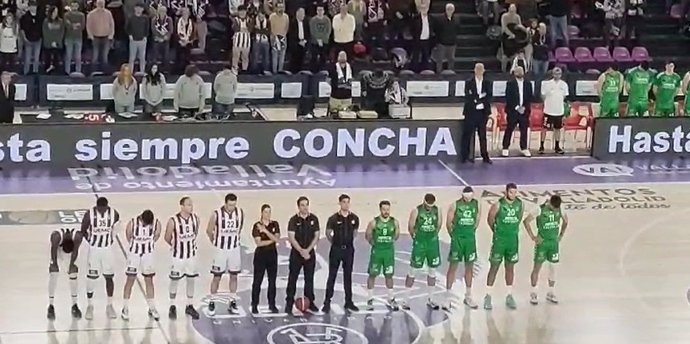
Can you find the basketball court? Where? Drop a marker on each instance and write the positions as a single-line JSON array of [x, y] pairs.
[[623, 276]]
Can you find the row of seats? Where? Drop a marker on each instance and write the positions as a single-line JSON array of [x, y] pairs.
[[600, 55]]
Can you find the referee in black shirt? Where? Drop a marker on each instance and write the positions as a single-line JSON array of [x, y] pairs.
[[303, 234], [266, 233], [341, 230]]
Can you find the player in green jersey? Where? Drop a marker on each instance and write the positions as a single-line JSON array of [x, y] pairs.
[[609, 88], [461, 222], [382, 232], [666, 86], [424, 225], [504, 221], [638, 81], [551, 225], [686, 91]]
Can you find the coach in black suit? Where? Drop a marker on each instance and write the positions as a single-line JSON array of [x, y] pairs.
[[519, 95], [476, 111], [7, 98]]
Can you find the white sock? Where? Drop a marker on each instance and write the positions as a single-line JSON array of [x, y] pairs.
[[73, 288], [190, 290], [535, 289], [429, 292], [233, 296], [89, 301], [510, 289], [489, 290], [52, 285], [149, 302], [110, 300], [390, 294], [552, 289], [125, 303], [172, 289], [370, 294], [468, 291]]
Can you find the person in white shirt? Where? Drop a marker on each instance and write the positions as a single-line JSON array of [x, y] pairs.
[[344, 30], [554, 92]]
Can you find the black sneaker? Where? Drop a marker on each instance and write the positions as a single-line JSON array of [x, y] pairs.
[[172, 312], [541, 150], [274, 309], [212, 308], [232, 306], [326, 307], [351, 307], [51, 312], [313, 308], [559, 151], [288, 309], [255, 310], [76, 312], [193, 313]]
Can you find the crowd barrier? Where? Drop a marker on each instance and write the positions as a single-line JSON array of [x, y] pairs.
[[285, 89]]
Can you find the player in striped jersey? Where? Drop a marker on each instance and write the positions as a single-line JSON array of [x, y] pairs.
[[97, 228], [224, 229], [142, 233], [181, 234], [63, 242]]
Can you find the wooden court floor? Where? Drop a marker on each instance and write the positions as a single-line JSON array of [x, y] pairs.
[[623, 276]]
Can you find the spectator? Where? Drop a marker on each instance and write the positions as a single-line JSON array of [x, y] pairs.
[[375, 22], [344, 31], [7, 98], [527, 8], [320, 28], [493, 6], [510, 17], [74, 33], [8, 42], [53, 38], [341, 85], [554, 92], [138, 28], [255, 8], [261, 48], [153, 91], [185, 39], [558, 21], [400, 12], [357, 9], [447, 33], [532, 26], [278, 23], [161, 29], [519, 61], [189, 98], [124, 91], [100, 27], [519, 96], [234, 7], [374, 86], [225, 88], [298, 36], [242, 38], [613, 20], [634, 18], [514, 43], [422, 36], [200, 25], [397, 100], [8, 7], [334, 7], [31, 25], [540, 52], [314, 4]]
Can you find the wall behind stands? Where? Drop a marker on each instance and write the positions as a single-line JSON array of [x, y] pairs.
[[278, 89]]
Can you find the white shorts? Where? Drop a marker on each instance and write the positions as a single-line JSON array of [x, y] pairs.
[[183, 268], [227, 261], [140, 264], [99, 261]]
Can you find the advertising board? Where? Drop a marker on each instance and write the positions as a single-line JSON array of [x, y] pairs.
[[634, 138]]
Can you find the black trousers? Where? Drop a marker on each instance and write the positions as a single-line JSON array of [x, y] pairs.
[[297, 53], [516, 119], [475, 122], [265, 262], [319, 56], [421, 53], [297, 263], [338, 255]]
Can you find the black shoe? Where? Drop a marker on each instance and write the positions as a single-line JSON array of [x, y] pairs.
[[255, 310], [326, 307], [172, 312], [288, 309], [76, 312], [558, 150], [313, 308], [192, 312], [541, 150], [351, 307], [471, 161], [487, 161], [51, 312], [232, 306], [211, 308], [273, 309]]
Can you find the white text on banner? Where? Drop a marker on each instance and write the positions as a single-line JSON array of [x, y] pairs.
[[20, 93], [428, 88], [291, 90], [586, 88], [69, 91], [262, 90], [460, 88], [499, 88], [325, 89]]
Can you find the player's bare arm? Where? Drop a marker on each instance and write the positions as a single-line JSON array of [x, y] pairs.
[[129, 231], [239, 230], [527, 222], [491, 218], [157, 231], [477, 216], [621, 82], [169, 229], [564, 225], [686, 81], [370, 230], [77, 239], [397, 228], [600, 84], [54, 244], [211, 228], [411, 222], [450, 218], [85, 225]]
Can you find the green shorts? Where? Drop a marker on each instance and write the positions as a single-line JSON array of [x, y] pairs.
[[546, 251], [664, 111], [382, 261], [426, 252], [463, 250], [504, 249], [637, 109], [610, 110]]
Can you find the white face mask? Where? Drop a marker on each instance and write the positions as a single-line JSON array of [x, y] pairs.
[[467, 195]]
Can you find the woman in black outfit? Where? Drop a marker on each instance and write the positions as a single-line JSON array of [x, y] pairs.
[[266, 234]]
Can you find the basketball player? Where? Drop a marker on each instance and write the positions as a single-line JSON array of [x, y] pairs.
[[382, 232], [224, 230], [462, 221], [504, 221], [424, 225], [609, 88], [666, 86], [551, 225], [181, 234], [65, 241], [97, 228], [142, 233]]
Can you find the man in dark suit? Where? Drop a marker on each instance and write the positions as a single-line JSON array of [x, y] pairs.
[[519, 96], [7, 98], [422, 31], [297, 37], [476, 111]]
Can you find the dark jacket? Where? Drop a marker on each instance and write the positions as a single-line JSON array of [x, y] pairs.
[[447, 30], [292, 39], [513, 96], [416, 28], [472, 98], [7, 104]]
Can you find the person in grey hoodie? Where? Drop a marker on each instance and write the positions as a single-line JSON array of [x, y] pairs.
[[225, 88], [189, 98], [320, 29], [53, 36], [124, 90], [153, 91], [75, 22]]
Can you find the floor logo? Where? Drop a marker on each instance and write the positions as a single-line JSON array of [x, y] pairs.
[[314, 333], [603, 170]]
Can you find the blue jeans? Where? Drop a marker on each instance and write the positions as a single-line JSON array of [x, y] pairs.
[[260, 57], [558, 28], [72, 50], [32, 55], [278, 57], [101, 48], [137, 50], [539, 68]]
